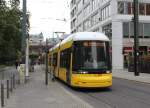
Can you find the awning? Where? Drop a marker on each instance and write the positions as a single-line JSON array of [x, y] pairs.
[[128, 49]]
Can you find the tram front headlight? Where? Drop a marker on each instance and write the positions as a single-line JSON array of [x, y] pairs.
[[83, 72], [108, 72]]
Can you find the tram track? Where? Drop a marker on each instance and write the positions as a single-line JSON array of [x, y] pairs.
[[123, 94], [101, 100]]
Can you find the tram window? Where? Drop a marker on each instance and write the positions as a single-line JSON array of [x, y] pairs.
[[65, 58], [55, 59], [91, 56], [61, 59]]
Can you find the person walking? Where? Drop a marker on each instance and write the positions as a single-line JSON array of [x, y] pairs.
[[16, 64]]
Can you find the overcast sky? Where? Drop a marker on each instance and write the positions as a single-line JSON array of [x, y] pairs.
[[44, 14]]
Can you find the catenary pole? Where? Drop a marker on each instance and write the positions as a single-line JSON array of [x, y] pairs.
[[136, 41], [24, 26], [46, 62], [26, 39]]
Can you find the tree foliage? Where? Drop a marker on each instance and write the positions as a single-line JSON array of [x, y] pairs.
[[10, 30]]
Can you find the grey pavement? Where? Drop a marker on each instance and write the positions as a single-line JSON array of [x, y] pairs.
[[124, 74], [35, 94]]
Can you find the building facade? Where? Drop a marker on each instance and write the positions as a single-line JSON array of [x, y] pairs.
[[115, 19], [36, 43]]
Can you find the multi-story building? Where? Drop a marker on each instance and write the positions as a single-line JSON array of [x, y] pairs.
[[114, 18], [36, 43]]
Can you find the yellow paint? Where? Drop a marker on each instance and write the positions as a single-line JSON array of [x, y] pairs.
[[66, 45], [56, 71], [58, 63], [91, 80], [62, 74]]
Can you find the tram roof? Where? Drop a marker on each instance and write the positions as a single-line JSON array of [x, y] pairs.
[[81, 36]]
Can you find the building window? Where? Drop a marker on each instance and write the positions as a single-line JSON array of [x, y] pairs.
[[142, 9], [107, 30], [105, 12], [120, 7], [104, 1], [96, 30], [72, 3], [79, 5], [79, 17], [147, 30], [109, 10], [131, 30], [87, 10], [147, 9], [127, 8], [126, 30], [87, 24], [95, 19], [79, 28], [85, 1], [140, 30], [144, 31], [94, 4]]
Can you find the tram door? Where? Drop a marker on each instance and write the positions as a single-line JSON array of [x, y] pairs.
[[68, 67]]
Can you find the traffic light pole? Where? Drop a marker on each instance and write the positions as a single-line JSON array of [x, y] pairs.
[[136, 41]]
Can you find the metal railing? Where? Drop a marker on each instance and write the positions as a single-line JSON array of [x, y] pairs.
[[8, 80]]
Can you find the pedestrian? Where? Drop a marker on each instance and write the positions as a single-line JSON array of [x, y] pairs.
[[32, 66], [16, 64]]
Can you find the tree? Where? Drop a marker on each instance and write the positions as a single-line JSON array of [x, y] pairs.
[[10, 30]]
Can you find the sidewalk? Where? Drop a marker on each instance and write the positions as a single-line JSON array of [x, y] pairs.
[[35, 94], [143, 77]]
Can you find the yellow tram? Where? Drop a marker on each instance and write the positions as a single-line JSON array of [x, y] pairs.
[[82, 60]]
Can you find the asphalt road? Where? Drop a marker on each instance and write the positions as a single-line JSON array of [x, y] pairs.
[[123, 94]]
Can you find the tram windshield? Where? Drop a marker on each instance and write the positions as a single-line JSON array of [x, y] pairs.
[[91, 55]]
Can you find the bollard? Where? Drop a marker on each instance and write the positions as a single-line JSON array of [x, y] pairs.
[[11, 84], [7, 89], [13, 81], [2, 95]]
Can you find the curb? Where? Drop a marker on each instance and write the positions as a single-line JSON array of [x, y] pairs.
[[132, 80]]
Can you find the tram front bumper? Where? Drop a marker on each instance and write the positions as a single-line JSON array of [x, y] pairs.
[[83, 80]]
